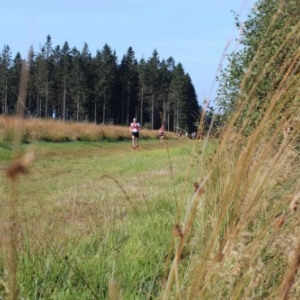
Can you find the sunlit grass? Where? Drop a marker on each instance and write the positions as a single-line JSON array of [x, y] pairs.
[[188, 218], [202, 219], [96, 204]]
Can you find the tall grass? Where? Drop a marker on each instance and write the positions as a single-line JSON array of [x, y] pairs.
[[194, 220], [241, 225], [35, 129]]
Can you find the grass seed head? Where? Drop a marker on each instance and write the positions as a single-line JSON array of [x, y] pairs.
[[293, 205], [177, 231], [279, 222], [20, 166]]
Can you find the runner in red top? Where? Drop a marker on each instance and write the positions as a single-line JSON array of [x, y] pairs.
[[134, 129]]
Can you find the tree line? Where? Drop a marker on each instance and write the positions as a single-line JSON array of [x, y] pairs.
[[69, 84]]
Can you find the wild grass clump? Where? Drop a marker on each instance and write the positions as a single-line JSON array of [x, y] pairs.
[[241, 223]]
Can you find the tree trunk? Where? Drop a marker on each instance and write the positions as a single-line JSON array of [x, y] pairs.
[[174, 122], [122, 120], [142, 102], [95, 117], [103, 113], [77, 112], [46, 100], [78, 99], [152, 111], [177, 117], [2, 102], [38, 105], [5, 98], [64, 101], [30, 98]]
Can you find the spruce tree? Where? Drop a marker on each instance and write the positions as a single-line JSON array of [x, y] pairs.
[[5, 67], [152, 82], [130, 85]]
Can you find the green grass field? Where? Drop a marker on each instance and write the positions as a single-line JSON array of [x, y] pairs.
[[187, 219], [97, 218]]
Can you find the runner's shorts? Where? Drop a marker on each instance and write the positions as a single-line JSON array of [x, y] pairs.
[[136, 134]]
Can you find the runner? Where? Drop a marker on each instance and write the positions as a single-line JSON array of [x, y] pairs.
[[134, 129]]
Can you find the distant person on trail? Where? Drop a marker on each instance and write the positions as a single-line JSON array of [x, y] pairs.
[[180, 134], [134, 129], [161, 134]]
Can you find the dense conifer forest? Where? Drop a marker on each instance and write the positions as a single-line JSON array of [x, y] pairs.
[[70, 84]]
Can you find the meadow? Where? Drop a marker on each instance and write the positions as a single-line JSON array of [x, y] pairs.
[[84, 216], [187, 219], [90, 219]]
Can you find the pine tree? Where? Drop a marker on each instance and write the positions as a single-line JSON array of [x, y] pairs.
[[78, 81], [48, 51], [152, 82], [130, 85], [42, 77], [106, 75], [31, 91], [5, 67], [65, 67], [178, 97], [165, 75], [14, 84], [142, 86], [192, 109]]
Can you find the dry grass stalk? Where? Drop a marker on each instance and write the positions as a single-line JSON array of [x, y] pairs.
[[183, 233], [249, 173], [19, 167], [34, 129], [292, 272]]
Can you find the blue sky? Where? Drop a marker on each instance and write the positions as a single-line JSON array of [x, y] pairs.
[[194, 32]]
